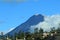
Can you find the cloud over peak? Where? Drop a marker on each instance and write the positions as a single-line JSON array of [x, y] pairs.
[[49, 22]]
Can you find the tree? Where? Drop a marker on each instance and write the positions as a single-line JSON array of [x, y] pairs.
[[53, 30], [58, 29], [28, 36], [20, 35], [36, 31], [41, 32]]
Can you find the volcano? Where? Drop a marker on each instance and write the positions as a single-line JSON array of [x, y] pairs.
[[33, 20]]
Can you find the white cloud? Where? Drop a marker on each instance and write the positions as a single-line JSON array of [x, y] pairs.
[[50, 21], [36, 14], [10, 30]]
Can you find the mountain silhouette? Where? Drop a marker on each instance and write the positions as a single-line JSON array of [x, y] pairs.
[[34, 20]]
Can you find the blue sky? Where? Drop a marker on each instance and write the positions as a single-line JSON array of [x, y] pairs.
[[14, 13]]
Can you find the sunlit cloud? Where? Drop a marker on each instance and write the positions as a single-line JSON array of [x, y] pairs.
[[11, 29], [48, 23]]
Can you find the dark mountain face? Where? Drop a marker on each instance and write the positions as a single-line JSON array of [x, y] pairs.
[[34, 20]]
